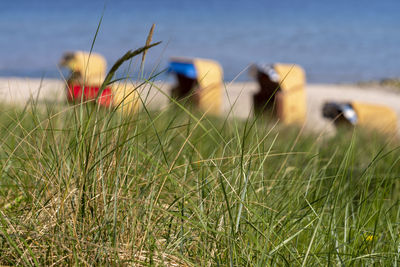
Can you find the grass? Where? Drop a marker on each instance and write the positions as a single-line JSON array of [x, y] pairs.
[[87, 186], [168, 187]]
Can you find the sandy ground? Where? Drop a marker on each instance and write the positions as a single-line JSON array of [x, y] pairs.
[[237, 96]]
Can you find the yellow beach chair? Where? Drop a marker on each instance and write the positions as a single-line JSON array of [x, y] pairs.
[[199, 80], [375, 117], [88, 72], [281, 89]]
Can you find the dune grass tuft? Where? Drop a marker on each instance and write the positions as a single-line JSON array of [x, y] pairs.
[[163, 188], [81, 185]]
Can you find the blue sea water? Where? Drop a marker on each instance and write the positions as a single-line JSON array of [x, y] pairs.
[[335, 41]]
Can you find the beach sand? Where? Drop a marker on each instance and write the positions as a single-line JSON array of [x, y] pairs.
[[237, 97]]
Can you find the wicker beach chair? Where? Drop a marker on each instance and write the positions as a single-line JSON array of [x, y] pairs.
[[88, 72], [200, 81], [376, 117], [281, 90]]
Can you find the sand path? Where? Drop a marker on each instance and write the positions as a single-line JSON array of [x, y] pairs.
[[237, 97]]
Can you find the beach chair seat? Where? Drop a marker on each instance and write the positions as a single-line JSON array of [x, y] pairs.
[[86, 93], [120, 95]]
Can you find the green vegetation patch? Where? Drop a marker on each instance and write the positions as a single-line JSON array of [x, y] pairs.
[[87, 186]]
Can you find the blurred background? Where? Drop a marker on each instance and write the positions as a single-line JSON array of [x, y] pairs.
[[335, 41]]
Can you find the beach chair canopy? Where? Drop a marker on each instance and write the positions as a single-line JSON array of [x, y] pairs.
[[287, 76], [183, 68], [378, 117], [201, 78], [90, 68], [340, 112]]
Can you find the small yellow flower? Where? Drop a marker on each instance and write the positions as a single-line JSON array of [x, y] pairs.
[[369, 238]]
